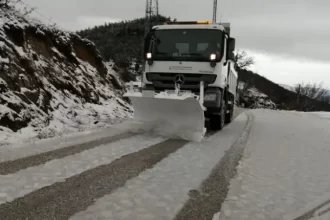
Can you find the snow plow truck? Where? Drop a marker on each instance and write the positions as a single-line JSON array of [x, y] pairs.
[[188, 79]]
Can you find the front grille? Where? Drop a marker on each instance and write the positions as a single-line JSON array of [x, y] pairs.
[[162, 81]]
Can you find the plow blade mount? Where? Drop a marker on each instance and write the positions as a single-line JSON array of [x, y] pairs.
[[173, 117]]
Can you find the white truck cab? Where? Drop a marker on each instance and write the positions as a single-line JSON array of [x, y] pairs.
[[186, 53]]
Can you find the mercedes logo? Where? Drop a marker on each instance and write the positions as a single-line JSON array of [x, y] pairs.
[[179, 79]]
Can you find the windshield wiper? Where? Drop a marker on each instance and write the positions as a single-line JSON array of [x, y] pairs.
[[161, 53], [194, 54]]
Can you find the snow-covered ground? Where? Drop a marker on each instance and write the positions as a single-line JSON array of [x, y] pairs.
[[283, 173], [64, 123], [284, 169]]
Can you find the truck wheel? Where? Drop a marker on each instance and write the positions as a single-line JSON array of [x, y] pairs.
[[217, 122], [230, 114]]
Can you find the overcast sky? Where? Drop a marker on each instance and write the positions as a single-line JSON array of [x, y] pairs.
[[290, 39]]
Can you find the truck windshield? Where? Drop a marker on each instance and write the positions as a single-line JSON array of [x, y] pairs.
[[186, 44]]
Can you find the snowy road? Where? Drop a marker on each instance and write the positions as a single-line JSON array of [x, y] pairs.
[[75, 177], [131, 175], [284, 172]]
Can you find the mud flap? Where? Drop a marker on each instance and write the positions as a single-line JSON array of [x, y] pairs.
[[173, 116]]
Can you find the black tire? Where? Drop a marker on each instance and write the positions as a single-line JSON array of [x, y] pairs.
[[229, 116], [217, 122]]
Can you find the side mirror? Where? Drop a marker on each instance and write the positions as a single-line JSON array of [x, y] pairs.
[[146, 45], [231, 44], [231, 48], [231, 55]]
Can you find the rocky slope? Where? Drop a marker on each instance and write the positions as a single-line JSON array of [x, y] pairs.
[[253, 98], [52, 82]]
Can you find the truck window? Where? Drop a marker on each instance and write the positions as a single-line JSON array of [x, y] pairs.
[[187, 44]]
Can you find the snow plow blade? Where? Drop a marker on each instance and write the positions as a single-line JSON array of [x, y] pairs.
[[172, 116]]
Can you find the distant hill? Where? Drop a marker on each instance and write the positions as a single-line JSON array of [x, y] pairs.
[[121, 42], [284, 98], [292, 88]]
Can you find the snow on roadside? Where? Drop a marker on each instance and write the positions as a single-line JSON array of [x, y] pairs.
[[285, 166], [64, 122], [325, 115], [253, 98], [33, 178], [14, 152]]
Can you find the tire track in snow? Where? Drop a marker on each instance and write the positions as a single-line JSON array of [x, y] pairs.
[[311, 213], [30, 202], [324, 211], [63, 199], [206, 201], [25, 181], [13, 166], [160, 192]]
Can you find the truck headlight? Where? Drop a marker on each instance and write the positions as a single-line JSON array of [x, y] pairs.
[[149, 58], [210, 97], [213, 57]]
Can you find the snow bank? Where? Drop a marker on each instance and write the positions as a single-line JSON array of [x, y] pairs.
[[53, 83], [325, 115], [253, 98]]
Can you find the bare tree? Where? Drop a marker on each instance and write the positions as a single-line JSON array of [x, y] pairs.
[[313, 91], [242, 60], [307, 93]]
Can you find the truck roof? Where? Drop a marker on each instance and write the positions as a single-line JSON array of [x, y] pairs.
[[189, 26]]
